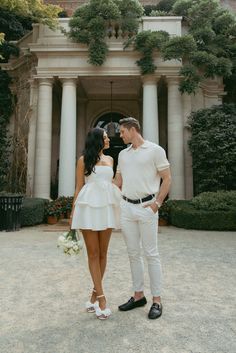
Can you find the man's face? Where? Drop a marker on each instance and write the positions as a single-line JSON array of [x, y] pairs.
[[126, 134]]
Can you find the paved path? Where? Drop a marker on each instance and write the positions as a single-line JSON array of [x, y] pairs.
[[42, 293]]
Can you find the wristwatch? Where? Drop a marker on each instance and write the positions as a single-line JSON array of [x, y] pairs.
[[157, 203]]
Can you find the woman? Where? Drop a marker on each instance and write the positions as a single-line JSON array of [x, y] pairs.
[[96, 211]]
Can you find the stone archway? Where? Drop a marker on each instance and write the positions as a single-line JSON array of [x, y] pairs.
[[116, 143]]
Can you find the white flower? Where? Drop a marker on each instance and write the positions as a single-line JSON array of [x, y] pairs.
[[70, 242]]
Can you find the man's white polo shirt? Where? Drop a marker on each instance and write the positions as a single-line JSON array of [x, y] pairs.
[[140, 169]]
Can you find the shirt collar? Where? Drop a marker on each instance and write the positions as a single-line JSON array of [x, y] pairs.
[[144, 145]]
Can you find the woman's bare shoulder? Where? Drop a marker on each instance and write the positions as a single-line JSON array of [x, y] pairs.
[[110, 157], [110, 160]]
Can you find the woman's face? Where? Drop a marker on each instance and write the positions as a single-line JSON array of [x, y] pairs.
[[106, 141]]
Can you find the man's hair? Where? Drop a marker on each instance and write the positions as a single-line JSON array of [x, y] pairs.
[[130, 122]]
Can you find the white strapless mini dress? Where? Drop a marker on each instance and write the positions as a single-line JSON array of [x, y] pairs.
[[97, 206]]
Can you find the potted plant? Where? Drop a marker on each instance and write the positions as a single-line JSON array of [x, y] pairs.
[[51, 212]]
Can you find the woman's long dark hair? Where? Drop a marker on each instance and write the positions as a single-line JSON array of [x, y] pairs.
[[94, 143]]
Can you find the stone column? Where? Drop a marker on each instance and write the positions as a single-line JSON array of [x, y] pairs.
[[43, 140], [67, 159], [175, 139], [150, 109], [32, 137], [81, 126], [188, 170]]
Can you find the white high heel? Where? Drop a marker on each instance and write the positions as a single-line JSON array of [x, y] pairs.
[[91, 307], [102, 314]]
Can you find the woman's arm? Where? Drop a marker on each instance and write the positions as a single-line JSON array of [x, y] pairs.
[[117, 180], [79, 181]]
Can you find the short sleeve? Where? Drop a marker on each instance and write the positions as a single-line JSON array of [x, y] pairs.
[[161, 162]]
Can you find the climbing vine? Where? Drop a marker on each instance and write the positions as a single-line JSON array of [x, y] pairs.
[[93, 22], [208, 50]]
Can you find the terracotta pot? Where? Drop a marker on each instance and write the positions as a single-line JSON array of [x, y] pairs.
[[162, 222], [52, 219]]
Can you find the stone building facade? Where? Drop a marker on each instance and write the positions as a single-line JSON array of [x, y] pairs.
[[67, 96]]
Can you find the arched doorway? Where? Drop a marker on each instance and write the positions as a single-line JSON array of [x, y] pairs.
[[116, 143]]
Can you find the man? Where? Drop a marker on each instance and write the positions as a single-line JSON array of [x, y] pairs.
[[140, 169]]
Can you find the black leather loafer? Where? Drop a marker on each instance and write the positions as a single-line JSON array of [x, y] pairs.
[[132, 304], [155, 311]]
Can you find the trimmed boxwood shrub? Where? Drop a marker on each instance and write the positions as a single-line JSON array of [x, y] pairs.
[[213, 147], [32, 212], [215, 201], [207, 211]]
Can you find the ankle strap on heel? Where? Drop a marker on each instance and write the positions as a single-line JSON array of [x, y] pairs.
[[100, 296]]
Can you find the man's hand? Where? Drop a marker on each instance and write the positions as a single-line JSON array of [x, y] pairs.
[[153, 206], [117, 180]]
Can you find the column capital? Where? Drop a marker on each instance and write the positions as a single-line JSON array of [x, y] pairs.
[[150, 79], [45, 81], [69, 80]]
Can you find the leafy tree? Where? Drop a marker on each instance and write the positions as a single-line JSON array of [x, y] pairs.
[[36, 10], [213, 147]]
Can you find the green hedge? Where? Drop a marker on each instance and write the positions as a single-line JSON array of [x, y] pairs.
[[183, 214], [32, 212]]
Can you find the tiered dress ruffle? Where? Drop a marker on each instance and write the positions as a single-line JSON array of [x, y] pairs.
[[97, 206]]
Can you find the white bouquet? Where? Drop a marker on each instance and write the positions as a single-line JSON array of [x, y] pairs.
[[70, 242]]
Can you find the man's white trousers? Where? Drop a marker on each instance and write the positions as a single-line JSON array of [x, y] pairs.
[[139, 226]]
